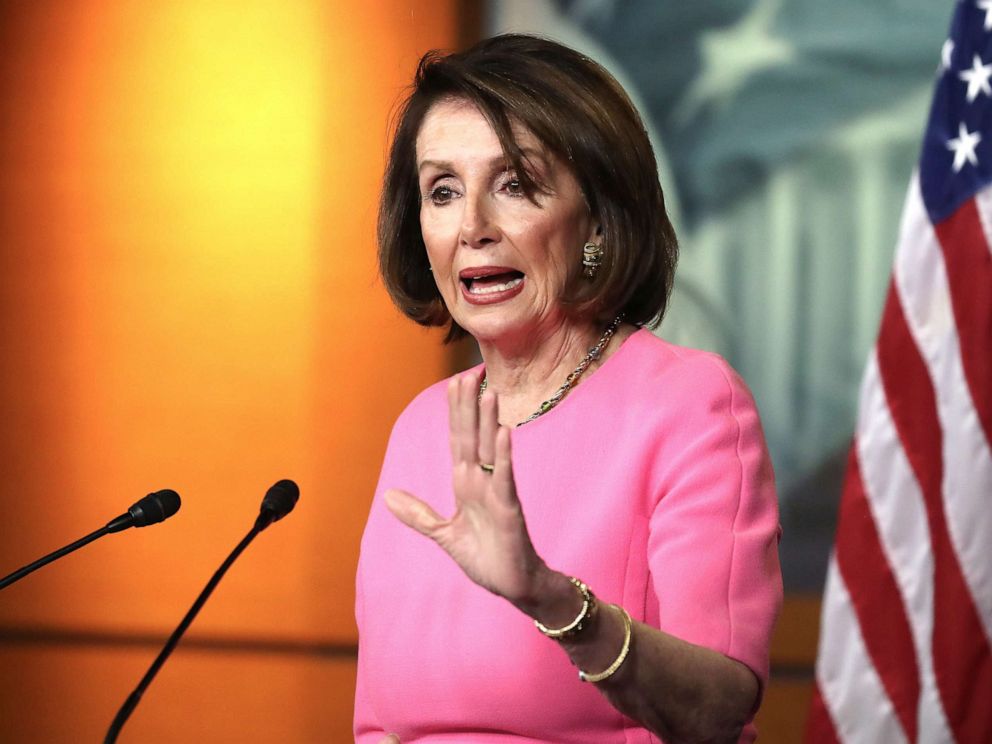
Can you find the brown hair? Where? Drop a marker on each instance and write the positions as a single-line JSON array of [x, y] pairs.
[[579, 112]]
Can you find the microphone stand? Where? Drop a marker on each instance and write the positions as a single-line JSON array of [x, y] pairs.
[[44, 561], [152, 509], [134, 698]]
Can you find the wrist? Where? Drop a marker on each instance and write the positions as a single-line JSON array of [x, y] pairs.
[[555, 601]]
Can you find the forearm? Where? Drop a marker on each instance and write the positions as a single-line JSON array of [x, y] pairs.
[[682, 692]]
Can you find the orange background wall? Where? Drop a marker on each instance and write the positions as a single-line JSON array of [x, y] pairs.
[[188, 300]]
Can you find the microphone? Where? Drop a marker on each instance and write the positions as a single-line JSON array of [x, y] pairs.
[[152, 509], [279, 501]]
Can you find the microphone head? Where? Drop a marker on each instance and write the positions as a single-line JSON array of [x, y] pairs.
[[154, 508], [279, 500]]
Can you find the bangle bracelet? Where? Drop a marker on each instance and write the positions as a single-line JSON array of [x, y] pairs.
[[612, 668], [585, 614]]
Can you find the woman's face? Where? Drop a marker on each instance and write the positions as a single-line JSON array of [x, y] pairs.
[[500, 260]]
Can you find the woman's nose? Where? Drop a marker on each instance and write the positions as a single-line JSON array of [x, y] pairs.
[[478, 222]]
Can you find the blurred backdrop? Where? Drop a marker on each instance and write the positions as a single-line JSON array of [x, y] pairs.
[[189, 300]]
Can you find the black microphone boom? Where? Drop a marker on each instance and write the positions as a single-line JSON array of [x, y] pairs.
[[152, 509], [278, 502]]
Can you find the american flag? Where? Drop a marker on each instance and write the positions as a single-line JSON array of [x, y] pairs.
[[904, 651]]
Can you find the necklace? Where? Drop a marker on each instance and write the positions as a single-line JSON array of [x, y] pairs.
[[592, 355]]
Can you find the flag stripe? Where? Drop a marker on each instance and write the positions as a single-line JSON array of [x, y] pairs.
[[897, 506], [960, 648], [983, 201], [819, 726], [923, 286], [877, 601], [969, 273], [848, 683]]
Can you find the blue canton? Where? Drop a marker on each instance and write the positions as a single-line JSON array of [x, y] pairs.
[[956, 161]]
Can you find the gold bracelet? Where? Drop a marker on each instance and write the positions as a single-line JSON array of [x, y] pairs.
[[585, 614], [612, 668]]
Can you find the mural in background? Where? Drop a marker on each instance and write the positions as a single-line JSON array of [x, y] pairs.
[[786, 132]]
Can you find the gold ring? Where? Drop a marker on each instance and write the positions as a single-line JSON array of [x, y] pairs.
[[487, 467]]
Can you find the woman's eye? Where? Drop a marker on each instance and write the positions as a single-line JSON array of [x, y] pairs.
[[441, 195], [514, 187]]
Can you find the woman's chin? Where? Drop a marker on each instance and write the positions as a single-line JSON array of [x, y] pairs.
[[494, 325], [502, 326]]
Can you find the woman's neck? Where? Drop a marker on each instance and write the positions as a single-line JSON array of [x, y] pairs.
[[526, 374]]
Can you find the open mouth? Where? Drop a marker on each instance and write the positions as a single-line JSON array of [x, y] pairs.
[[492, 281]]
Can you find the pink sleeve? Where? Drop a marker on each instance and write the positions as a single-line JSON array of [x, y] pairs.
[[713, 542], [366, 727]]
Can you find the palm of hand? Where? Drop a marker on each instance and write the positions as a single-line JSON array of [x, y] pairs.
[[486, 536]]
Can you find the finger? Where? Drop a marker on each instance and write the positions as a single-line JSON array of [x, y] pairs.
[[453, 426], [503, 474], [390, 739], [468, 418], [488, 424], [413, 512]]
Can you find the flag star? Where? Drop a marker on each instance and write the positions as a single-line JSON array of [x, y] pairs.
[[977, 77], [947, 54], [986, 5], [964, 147]]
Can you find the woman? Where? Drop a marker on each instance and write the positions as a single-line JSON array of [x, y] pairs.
[[588, 478]]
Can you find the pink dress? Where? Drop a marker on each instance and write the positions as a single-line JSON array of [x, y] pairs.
[[650, 482]]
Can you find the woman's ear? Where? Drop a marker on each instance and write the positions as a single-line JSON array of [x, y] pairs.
[[595, 232]]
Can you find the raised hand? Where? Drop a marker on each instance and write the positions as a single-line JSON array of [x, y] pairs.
[[486, 536]]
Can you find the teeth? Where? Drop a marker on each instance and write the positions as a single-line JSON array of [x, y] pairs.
[[492, 289]]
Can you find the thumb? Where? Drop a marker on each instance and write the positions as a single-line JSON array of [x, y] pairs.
[[412, 512]]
